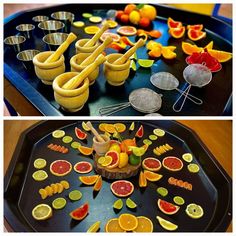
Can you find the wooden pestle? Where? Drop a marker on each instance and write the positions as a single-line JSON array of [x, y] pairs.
[[74, 82], [129, 53], [95, 133], [96, 37], [97, 52], [60, 50]]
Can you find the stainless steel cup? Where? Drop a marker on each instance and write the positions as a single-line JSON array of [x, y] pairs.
[[40, 18], [15, 42], [26, 57], [66, 17], [54, 40], [26, 30], [51, 26]]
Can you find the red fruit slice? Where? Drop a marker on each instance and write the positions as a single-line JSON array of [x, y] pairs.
[[122, 188], [127, 30], [81, 212], [167, 207], [80, 134], [196, 35], [140, 132], [115, 159], [60, 168], [115, 37], [195, 27], [172, 163], [83, 167], [173, 24], [151, 164], [177, 32]]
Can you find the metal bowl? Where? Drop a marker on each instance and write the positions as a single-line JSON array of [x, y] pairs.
[[51, 26], [40, 18], [54, 40], [26, 57], [66, 17], [16, 42]]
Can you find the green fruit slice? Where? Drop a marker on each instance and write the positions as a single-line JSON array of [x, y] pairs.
[[67, 139], [87, 15], [178, 200], [130, 203], [133, 65], [153, 137], [78, 24], [134, 56], [145, 63], [159, 132], [118, 204], [188, 157], [40, 175], [58, 133], [138, 151], [94, 227], [59, 203], [193, 168], [131, 128], [166, 224], [194, 211], [162, 191], [42, 212], [75, 195], [40, 163], [75, 145], [147, 141]]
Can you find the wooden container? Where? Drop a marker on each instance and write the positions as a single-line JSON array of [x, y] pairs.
[[80, 46], [101, 147], [47, 72]]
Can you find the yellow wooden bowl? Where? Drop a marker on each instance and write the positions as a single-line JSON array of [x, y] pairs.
[[80, 46]]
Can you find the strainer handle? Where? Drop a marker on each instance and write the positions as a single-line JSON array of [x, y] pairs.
[[192, 98], [184, 93], [111, 109]]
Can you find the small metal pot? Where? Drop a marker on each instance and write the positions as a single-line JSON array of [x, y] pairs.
[[26, 30], [66, 17], [40, 18], [51, 26], [15, 42], [54, 40], [26, 57]]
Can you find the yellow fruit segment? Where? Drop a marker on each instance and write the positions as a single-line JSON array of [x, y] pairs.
[[128, 222], [189, 48], [94, 227], [221, 56]]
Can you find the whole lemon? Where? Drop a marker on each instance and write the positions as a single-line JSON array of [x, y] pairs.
[[134, 17], [123, 160], [148, 11], [115, 147]]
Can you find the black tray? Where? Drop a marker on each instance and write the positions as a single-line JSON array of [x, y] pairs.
[[216, 95], [212, 187]]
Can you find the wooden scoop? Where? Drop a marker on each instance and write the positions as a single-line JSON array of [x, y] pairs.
[[78, 79], [95, 133], [57, 54], [96, 37], [129, 53], [97, 52]]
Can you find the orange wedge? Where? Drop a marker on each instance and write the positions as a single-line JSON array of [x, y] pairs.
[[85, 150], [89, 180], [196, 35], [189, 48], [177, 32], [167, 53], [221, 56]]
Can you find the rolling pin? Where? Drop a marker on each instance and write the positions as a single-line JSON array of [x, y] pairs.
[[57, 54], [78, 79], [97, 52], [129, 53], [96, 37], [95, 133]]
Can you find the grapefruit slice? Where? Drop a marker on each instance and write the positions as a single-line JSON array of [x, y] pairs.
[[151, 176], [196, 35], [89, 180], [80, 134], [115, 159], [167, 207], [81, 212], [60, 167], [127, 30], [115, 37], [83, 167], [173, 24], [151, 164], [195, 27], [122, 188], [177, 32], [172, 163], [140, 132]]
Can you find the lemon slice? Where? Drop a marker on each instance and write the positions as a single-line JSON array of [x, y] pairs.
[[146, 63], [67, 139], [188, 157], [147, 142], [108, 161], [112, 24], [87, 15], [40, 163], [153, 137], [75, 195], [167, 224], [40, 175], [118, 204], [162, 191], [194, 211], [42, 212], [193, 168], [59, 203], [85, 127], [94, 227], [58, 133], [95, 19], [130, 203], [75, 145], [178, 200], [91, 29], [131, 128], [101, 160], [78, 24], [159, 132]]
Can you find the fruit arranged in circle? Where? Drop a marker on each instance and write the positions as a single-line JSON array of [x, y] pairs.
[[188, 157], [115, 159], [193, 168], [87, 151], [59, 203], [151, 176], [113, 226], [80, 134], [40, 163], [42, 212], [130, 203], [196, 35], [120, 127], [173, 24], [75, 195], [144, 225], [81, 212], [148, 11], [128, 222], [127, 30], [159, 132], [85, 127], [58, 133], [67, 139], [166, 224], [107, 161], [172, 163], [178, 200], [40, 175], [118, 204], [60, 167], [194, 211], [177, 32], [140, 132], [122, 188], [167, 207], [83, 167], [125, 144], [134, 160], [195, 27], [89, 180], [98, 185], [162, 191], [151, 164], [221, 56], [123, 159], [142, 180], [94, 227], [189, 48]]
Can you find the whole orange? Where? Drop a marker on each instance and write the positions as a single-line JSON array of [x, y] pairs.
[[124, 18], [144, 22], [129, 8], [148, 11], [119, 14]]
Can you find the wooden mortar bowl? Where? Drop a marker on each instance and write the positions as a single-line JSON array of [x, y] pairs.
[[80, 46], [101, 148]]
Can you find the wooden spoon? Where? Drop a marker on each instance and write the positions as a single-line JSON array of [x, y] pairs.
[[95, 133]]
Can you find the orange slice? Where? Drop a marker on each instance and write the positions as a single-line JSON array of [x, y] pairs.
[[120, 127], [102, 127], [59, 187], [155, 52], [177, 32], [113, 226], [144, 225], [173, 24], [49, 190], [142, 180], [43, 193], [196, 35], [89, 180], [151, 176], [110, 128], [167, 53], [128, 222], [221, 56], [65, 184], [209, 45], [85, 150], [91, 29], [189, 48]]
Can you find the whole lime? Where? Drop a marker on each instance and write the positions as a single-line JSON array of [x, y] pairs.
[[134, 160]]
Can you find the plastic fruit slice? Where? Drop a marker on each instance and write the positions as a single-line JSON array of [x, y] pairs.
[[172, 163], [80, 134], [162, 191], [110, 128], [155, 52], [87, 151], [83, 167], [95, 19], [58, 133], [194, 211], [40, 163], [193, 168], [140, 132], [188, 157], [94, 227], [145, 63], [142, 180], [98, 184], [133, 65], [88, 180], [178, 200], [54, 188], [130, 203], [91, 29], [173, 24], [144, 225], [60, 168], [151, 164], [167, 224], [60, 187], [75, 145], [151, 176], [42, 212], [167, 207], [65, 184], [40, 175], [167, 53], [115, 37], [67, 139], [87, 15], [221, 56], [189, 48], [118, 204], [122, 188], [112, 226], [49, 190], [127, 30], [128, 222], [159, 132], [131, 128], [195, 27], [78, 24], [196, 35], [115, 159], [209, 45], [75, 195], [59, 203], [120, 127], [81, 212], [177, 32]]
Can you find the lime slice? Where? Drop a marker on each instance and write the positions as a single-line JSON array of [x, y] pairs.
[[58, 133], [130, 203], [75, 195], [42, 212], [78, 24], [94, 227], [133, 65], [87, 15], [59, 203], [188, 157], [101, 160], [131, 128], [194, 211], [40, 175], [118, 204], [167, 224], [153, 137], [75, 145], [134, 56], [138, 151], [95, 19], [193, 168], [146, 63], [159, 132], [85, 127], [178, 200], [147, 141], [67, 139], [40, 163], [162, 191]]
